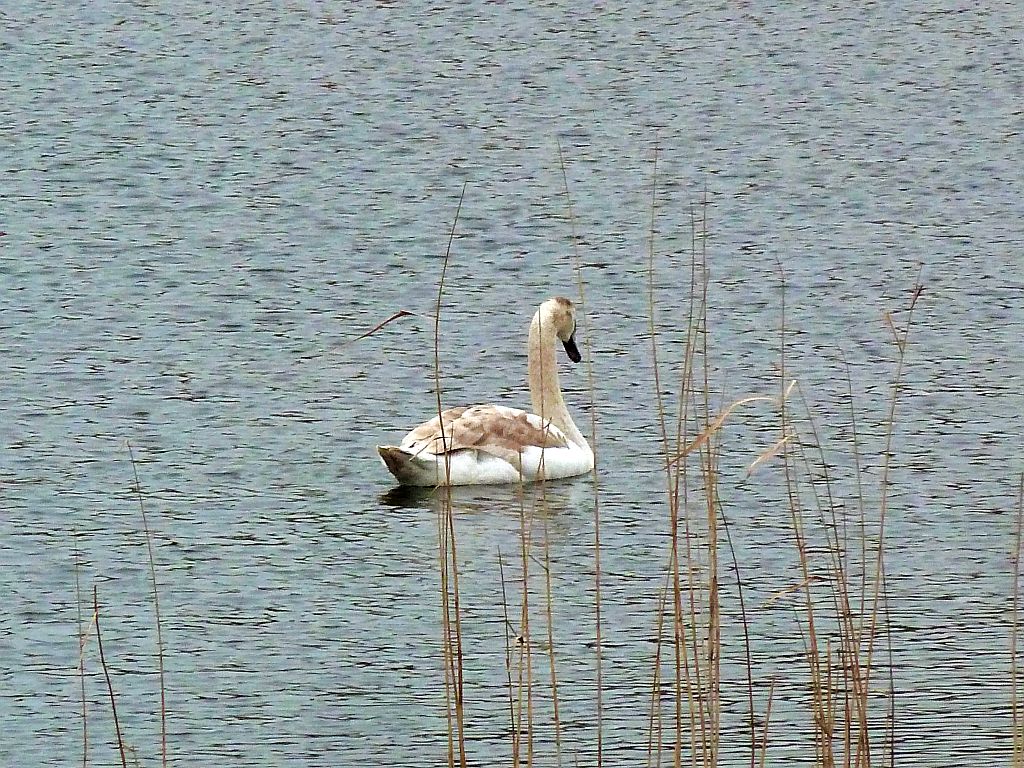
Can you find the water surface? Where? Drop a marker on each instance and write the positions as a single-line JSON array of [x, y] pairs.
[[203, 204]]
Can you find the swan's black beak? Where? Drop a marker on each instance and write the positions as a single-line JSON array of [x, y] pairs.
[[571, 349]]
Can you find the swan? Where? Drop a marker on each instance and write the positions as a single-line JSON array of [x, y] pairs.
[[491, 444]]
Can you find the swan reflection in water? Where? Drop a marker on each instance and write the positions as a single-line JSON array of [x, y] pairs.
[[572, 497]]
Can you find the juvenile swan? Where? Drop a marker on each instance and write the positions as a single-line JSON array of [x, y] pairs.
[[484, 444]]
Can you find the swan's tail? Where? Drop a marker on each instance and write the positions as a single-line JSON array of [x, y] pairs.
[[408, 468]]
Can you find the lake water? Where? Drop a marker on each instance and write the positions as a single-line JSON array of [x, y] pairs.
[[203, 203]]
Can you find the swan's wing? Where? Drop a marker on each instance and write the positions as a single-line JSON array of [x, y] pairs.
[[494, 429]]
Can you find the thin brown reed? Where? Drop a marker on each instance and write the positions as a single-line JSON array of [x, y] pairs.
[[156, 609], [598, 654], [451, 613], [106, 674], [81, 651], [1015, 708]]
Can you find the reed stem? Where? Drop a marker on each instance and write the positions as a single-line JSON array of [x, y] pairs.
[[106, 674], [156, 608]]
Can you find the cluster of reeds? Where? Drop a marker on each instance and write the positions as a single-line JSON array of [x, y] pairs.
[[844, 663], [838, 591], [841, 592]]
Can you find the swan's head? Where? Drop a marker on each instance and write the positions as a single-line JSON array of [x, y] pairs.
[[560, 314]]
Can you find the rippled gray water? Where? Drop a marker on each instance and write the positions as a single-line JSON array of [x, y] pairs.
[[203, 203]]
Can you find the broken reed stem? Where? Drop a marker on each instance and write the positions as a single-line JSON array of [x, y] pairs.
[[599, 714], [106, 674], [156, 609]]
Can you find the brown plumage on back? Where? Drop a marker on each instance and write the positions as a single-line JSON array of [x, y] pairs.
[[492, 429], [429, 431]]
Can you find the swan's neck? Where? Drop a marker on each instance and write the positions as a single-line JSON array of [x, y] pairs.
[[545, 392]]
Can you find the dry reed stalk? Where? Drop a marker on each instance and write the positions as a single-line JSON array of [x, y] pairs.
[[767, 719], [702, 610], [854, 635], [1018, 726], [528, 651], [744, 623], [838, 581], [522, 695], [654, 721], [679, 498], [823, 747], [672, 498], [673, 504], [854, 703], [680, 657], [509, 634], [81, 651], [599, 713], [709, 472], [156, 609], [695, 598], [451, 625], [549, 608], [840, 696], [526, 646], [106, 674], [890, 429], [446, 649]]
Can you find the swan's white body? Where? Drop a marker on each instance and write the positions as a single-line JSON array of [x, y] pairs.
[[489, 444]]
